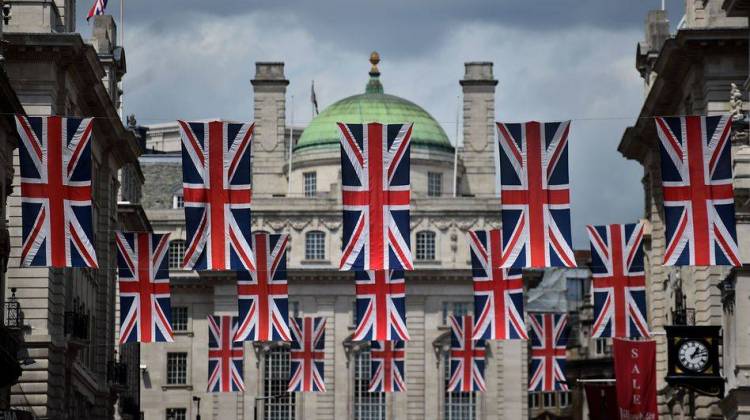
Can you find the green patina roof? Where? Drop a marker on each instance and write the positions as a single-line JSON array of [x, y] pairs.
[[373, 106]]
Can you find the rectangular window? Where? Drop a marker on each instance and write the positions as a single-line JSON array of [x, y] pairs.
[[549, 399], [367, 405], [315, 246], [434, 184], [426, 246], [602, 346], [293, 308], [534, 399], [176, 368], [176, 414], [178, 201], [457, 405], [456, 309], [311, 183], [281, 404], [179, 318], [176, 253]]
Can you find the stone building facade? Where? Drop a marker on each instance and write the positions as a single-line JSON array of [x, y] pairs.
[[306, 204], [690, 73], [69, 313]]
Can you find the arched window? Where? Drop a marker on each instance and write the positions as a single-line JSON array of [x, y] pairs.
[[367, 405], [176, 253], [426, 245], [315, 245]]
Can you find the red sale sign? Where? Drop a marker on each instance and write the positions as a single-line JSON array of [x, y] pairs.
[[635, 372]]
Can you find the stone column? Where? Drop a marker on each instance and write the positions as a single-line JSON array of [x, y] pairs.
[[478, 152], [269, 143]]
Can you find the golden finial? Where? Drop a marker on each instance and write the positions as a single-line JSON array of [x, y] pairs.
[[374, 60]]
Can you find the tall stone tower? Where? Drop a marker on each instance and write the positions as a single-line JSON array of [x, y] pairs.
[[478, 153], [269, 147]]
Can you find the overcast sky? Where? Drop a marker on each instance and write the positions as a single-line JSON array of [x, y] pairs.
[[554, 59]]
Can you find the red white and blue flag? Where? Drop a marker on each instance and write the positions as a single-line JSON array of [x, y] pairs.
[[97, 9], [619, 282], [263, 294], [549, 339], [217, 195], [225, 356], [498, 292], [376, 192], [696, 171], [387, 366], [307, 355], [466, 357], [143, 272], [535, 195], [381, 306], [56, 215]]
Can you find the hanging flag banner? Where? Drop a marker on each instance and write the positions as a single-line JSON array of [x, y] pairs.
[[549, 338], [376, 192], [143, 272], [619, 283], [307, 355], [535, 195], [466, 357], [262, 295], [225, 356], [387, 366], [696, 171], [381, 306], [498, 292], [217, 194], [635, 371], [56, 216], [602, 401]]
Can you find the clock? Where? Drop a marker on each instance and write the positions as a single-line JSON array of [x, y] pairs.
[[693, 360], [693, 355]]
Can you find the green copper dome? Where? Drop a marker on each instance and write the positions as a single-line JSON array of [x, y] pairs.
[[373, 106]]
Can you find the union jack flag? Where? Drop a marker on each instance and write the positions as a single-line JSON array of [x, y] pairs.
[[619, 282], [217, 195], [387, 366], [535, 195], [376, 193], [143, 273], [466, 357], [381, 306], [55, 160], [549, 338], [225, 356], [307, 354], [263, 294], [97, 9], [498, 292], [696, 171]]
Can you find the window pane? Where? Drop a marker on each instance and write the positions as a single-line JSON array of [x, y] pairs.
[[179, 318], [176, 253], [457, 405], [311, 183], [178, 201], [457, 309], [176, 368], [426, 246], [315, 248], [434, 184], [275, 381], [176, 414], [367, 405]]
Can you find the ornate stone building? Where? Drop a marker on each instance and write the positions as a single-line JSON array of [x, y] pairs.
[[305, 202], [69, 314], [691, 73]]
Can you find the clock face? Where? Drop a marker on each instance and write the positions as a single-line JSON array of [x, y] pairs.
[[693, 355]]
